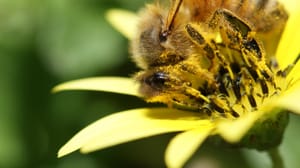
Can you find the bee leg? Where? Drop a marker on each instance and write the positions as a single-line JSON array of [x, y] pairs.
[[237, 34], [192, 92], [199, 72], [210, 48], [232, 28], [225, 63], [204, 44], [170, 83]]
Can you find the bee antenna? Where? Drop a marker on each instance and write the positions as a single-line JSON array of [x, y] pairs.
[[175, 5]]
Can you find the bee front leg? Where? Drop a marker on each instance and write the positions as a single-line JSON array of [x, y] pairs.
[[210, 50], [200, 73]]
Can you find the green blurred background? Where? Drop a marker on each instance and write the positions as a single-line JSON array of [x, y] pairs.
[[46, 42]]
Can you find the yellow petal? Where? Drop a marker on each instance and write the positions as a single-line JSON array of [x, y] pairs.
[[131, 125], [288, 48], [290, 5], [184, 145], [294, 75], [108, 84], [233, 131], [290, 99], [123, 21]]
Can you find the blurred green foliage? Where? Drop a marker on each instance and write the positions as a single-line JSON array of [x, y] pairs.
[[46, 42]]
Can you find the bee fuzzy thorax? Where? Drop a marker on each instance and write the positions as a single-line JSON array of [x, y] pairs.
[[210, 56]]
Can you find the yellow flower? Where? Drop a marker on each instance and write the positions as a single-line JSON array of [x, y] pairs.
[[193, 129]]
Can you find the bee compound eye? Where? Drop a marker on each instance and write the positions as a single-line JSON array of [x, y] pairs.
[[157, 80]]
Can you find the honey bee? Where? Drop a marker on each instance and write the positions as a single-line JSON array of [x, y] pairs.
[[199, 53]]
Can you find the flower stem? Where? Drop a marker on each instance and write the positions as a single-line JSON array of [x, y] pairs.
[[276, 158]]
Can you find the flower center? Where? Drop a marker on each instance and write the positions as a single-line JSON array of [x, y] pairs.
[[248, 90], [238, 88], [243, 89]]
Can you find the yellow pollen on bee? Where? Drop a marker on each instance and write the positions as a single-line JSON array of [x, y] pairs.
[[214, 59]]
